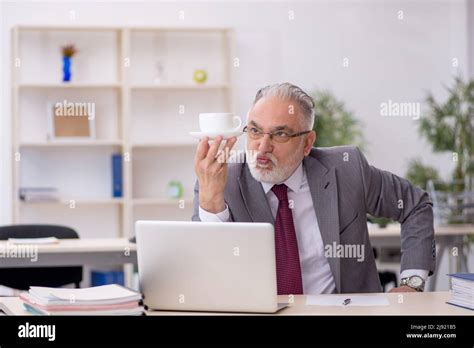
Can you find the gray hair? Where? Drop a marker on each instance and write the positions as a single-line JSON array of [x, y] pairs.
[[288, 91]]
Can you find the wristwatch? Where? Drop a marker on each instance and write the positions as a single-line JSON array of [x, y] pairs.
[[414, 282]]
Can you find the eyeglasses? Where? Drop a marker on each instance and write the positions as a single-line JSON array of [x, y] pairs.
[[280, 136]]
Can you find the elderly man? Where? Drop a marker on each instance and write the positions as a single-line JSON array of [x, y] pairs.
[[316, 198]]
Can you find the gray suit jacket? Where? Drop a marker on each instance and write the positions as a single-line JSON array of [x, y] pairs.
[[344, 188]]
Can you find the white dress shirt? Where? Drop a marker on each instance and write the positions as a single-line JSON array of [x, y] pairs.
[[315, 271]]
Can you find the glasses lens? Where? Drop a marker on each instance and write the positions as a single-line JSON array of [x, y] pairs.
[[278, 136], [254, 133], [281, 137]]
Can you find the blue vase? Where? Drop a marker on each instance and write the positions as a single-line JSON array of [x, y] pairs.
[[66, 69]]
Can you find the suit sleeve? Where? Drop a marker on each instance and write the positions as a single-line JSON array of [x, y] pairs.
[[390, 196]]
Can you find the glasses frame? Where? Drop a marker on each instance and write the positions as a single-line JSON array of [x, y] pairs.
[[271, 134]]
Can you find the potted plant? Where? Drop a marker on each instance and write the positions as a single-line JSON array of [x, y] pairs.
[[449, 127], [68, 52], [334, 124]]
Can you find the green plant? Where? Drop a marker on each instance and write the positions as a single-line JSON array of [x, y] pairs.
[[449, 126], [381, 221], [68, 51], [334, 124], [419, 174]]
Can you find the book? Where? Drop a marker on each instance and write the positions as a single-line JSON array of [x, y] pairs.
[[117, 175], [39, 194], [462, 285]]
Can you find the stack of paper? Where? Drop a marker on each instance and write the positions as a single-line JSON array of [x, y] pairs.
[[100, 300], [462, 290]]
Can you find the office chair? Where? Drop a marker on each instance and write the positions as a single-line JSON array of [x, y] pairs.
[[23, 278]]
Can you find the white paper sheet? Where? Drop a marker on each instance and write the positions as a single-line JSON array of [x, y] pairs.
[[109, 293], [45, 240], [356, 300]]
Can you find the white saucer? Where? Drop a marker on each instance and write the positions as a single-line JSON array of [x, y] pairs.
[[213, 135]]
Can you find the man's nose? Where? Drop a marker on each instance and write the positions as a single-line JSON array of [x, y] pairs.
[[265, 144]]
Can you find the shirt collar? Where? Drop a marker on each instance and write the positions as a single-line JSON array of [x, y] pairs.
[[294, 182]]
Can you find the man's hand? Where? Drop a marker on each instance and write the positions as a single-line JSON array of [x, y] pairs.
[[403, 288], [211, 170]]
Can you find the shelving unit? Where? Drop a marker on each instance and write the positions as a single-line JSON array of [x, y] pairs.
[[144, 116]]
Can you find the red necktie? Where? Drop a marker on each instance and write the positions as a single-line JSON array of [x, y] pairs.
[[288, 266]]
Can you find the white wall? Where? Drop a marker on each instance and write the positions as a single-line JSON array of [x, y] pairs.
[[388, 58]]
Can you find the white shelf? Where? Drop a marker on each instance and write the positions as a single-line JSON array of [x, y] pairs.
[[152, 86], [71, 85], [71, 143], [113, 28], [161, 201], [41, 28], [77, 202], [183, 29], [165, 144], [34, 112]]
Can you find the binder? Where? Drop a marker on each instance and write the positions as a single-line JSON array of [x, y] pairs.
[[117, 182]]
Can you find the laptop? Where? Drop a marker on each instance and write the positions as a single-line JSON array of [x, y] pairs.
[[207, 266]]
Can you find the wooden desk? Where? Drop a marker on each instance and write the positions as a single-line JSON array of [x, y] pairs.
[[446, 237], [430, 303], [76, 252]]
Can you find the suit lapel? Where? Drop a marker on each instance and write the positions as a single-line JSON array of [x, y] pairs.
[[323, 187], [254, 198]]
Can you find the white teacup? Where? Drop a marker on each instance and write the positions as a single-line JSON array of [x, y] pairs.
[[219, 122]]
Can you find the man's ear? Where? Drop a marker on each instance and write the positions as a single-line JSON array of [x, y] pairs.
[[310, 139]]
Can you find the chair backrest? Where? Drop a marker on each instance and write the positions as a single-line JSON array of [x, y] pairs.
[[37, 231], [23, 278]]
